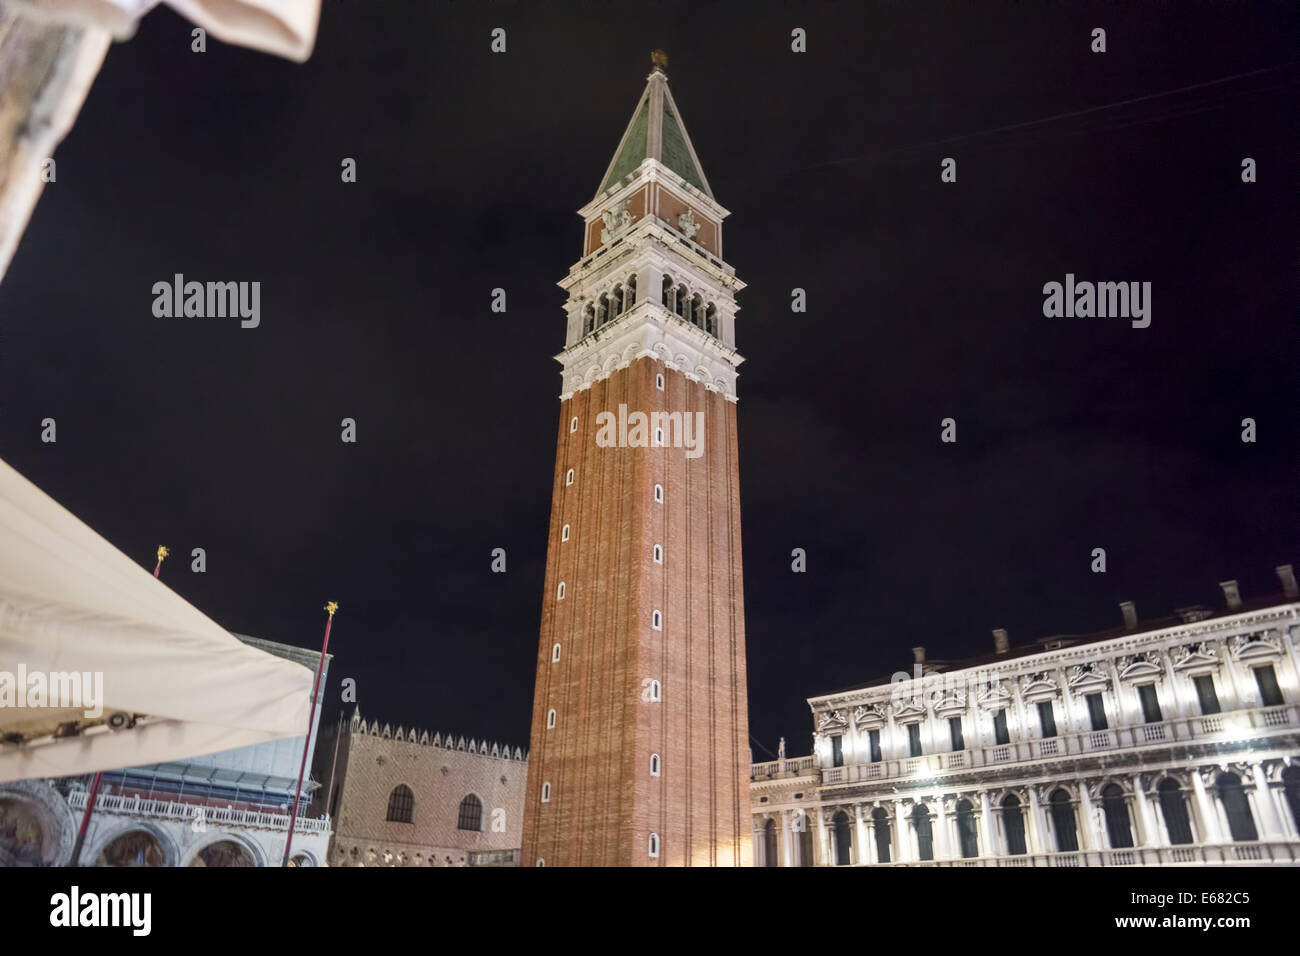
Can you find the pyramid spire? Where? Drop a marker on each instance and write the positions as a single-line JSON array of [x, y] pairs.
[[656, 132]]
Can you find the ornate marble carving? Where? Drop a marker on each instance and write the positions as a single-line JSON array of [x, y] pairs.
[[1197, 652], [687, 225], [869, 715], [617, 221]]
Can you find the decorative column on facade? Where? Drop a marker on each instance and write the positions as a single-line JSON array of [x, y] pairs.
[[1092, 840], [1148, 832], [990, 847], [824, 839], [904, 842], [787, 857], [1035, 829], [1180, 707], [941, 826], [863, 856], [1211, 832], [1271, 826]]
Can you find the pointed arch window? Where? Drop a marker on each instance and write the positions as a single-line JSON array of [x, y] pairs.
[[659, 381], [401, 804], [573, 424], [657, 620], [470, 815], [1173, 807], [1241, 824], [653, 692], [1115, 809], [659, 494], [658, 554], [654, 765]]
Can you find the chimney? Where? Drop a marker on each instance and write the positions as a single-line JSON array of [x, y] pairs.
[[918, 656], [1000, 642], [1286, 575], [1231, 594], [1130, 613]]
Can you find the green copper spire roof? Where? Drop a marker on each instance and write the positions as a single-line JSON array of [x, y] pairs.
[[656, 132]]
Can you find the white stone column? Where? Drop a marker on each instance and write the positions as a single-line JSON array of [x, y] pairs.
[[787, 850], [1091, 839], [988, 828], [1148, 832], [941, 827], [863, 854], [824, 840], [1266, 807], [1210, 830], [901, 836], [1036, 829]]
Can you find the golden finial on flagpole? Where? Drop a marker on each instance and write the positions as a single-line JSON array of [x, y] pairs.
[[162, 553], [332, 606]]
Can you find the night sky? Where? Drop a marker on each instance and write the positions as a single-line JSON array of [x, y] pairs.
[[925, 301]]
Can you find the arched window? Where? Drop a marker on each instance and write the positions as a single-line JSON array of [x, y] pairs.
[[769, 843], [1013, 825], [471, 814], [843, 839], [568, 477], [550, 719], [659, 381], [654, 845], [602, 311], [658, 554], [555, 654], [546, 792], [541, 861], [966, 835], [1115, 808], [654, 765], [654, 692], [559, 592], [656, 620], [924, 832], [618, 300], [880, 819], [1067, 834], [573, 424], [711, 319], [1291, 790], [667, 300], [589, 320], [659, 494], [1236, 807], [401, 804], [681, 300], [564, 533], [659, 438], [697, 310], [630, 298], [1173, 807], [805, 839]]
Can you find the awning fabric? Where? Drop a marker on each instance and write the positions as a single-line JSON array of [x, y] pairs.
[[72, 603]]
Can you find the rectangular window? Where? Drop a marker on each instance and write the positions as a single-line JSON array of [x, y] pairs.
[[914, 739], [1150, 703], [1206, 694], [1270, 695], [875, 746], [1000, 735], [1097, 711], [954, 731], [837, 751], [1046, 719]]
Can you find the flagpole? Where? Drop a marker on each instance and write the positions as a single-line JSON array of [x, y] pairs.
[[94, 784], [331, 607]]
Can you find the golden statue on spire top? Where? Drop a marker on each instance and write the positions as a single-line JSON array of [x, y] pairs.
[[660, 59]]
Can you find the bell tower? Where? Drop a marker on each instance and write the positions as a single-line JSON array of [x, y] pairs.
[[639, 747]]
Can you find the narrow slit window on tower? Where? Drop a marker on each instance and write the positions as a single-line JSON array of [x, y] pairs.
[[654, 693], [568, 478], [541, 861], [573, 424], [654, 845], [659, 437], [546, 792], [559, 592], [656, 620], [659, 494], [564, 533], [659, 554], [550, 719], [659, 381], [555, 654], [654, 765]]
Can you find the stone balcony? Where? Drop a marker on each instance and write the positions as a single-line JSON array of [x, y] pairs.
[[1216, 728], [1196, 854], [185, 813]]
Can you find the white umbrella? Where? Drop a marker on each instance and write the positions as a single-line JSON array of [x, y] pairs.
[[73, 611]]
